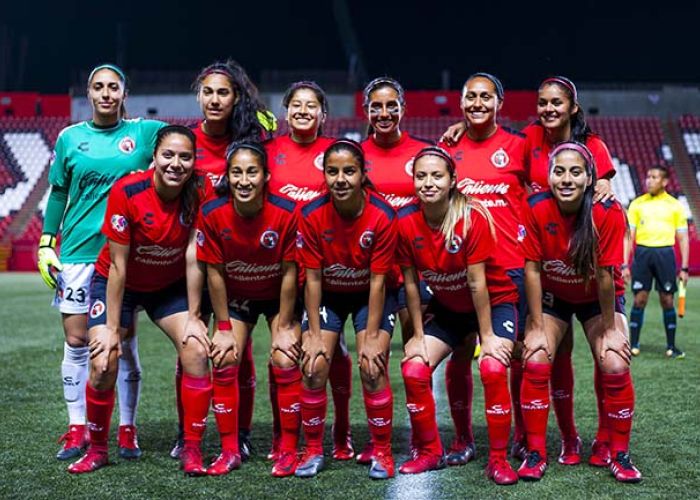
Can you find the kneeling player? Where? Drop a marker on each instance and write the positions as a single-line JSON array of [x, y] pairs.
[[574, 251], [449, 239], [247, 238], [348, 238]]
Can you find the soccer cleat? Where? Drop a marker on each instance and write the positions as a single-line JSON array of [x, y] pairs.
[[275, 449], [244, 444], [675, 353], [600, 454], [365, 456], [310, 464], [382, 465], [285, 464], [90, 462], [178, 445], [460, 453], [422, 462], [519, 449], [499, 470], [128, 443], [191, 461], [570, 451], [624, 470], [224, 463], [635, 351], [533, 467], [342, 447], [74, 442]]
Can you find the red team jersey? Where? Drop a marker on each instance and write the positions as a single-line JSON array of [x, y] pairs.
[[493, 170], [391, 169], [538, 151], [345, 250], [444, 266], [250, 249], [548, 235], [154, 230], [211, 155], [296, 170]]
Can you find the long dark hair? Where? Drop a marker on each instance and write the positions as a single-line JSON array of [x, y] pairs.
[[243, 124], [580, 131], [380, 83], [224, 187], [314, 87], [188, 195], [584, 240]]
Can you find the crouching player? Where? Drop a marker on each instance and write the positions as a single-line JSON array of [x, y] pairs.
[[573, 250], [449, 238], [247, 239], [148, 224], [347, 244]]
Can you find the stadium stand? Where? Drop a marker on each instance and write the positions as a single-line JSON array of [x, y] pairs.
[[690, 127]]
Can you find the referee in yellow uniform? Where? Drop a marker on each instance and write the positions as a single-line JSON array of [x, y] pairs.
[[656, 219]]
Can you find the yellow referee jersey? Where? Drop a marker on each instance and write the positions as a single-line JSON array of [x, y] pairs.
[[656, 219]]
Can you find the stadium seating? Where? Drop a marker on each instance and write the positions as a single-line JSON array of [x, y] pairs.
[[690, 128]]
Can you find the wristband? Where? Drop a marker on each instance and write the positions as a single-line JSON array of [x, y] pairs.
[[47, 240], [685, 269], [224, 326]]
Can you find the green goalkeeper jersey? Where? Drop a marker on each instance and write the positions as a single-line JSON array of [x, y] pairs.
[[86, 162]]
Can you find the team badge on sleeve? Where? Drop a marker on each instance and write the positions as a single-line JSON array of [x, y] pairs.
[[97, 309], [127, 145], [454, 244], [500, 158], [119, 223], [366, 239], [269, 239], [200, 238]]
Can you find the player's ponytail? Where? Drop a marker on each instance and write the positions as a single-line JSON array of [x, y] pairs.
[[189, 197]]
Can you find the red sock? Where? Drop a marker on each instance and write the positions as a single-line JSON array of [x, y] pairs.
[[534, 404], [494, 376], [178, 394], [246, 387], [603, 434], [340, 377], [273, 400], [99, 414], [379, 406], [196, 397], [225, 403], [459, 383], [314, 403], [420, 403], [619, 405], [516, 381], [562, 387], [288, 383]]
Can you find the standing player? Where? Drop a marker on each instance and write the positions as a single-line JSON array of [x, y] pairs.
[[574, 252], [89, 157], [232, 112], [449, 238], [247, 239], [656, 220], [148, 223], [347, 243], [490, 162]]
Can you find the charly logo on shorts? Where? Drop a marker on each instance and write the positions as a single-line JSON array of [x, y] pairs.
[[119, 223], [269, 239], [454, 244], [408, 167], [366, 239], [637, 285], [500, 158], [127, 145], [318, 162], [97, 309], [200, 238]]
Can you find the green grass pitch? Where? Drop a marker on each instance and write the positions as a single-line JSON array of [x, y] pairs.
[[665, 440]]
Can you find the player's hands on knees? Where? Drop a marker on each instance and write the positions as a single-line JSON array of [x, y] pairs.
[[48, 259], [496, 347], [312, 347], [603, 191], [223, 343], [454, 133], [372, 358], [614, 341], [101, 346], [415, 348], [535, 340], [286, 340], [197, 331]]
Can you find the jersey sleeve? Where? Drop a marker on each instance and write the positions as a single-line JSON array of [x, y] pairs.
[[59, 174], [309, 246], [680, 221], [289, 253], [605, 169], [611, 236], [117, 222], [384, 250], [480, 244], [209, 247], [531, 245], [150, 130]]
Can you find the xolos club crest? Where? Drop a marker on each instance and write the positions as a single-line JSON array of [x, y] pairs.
[[127, 145], [500, 158]]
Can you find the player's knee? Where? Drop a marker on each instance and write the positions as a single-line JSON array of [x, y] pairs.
[[76, 338], [194, 350], [537, 357], [316, 377], [666, 300], [614, 363], [416, 373], [282, 360], [492, 371], [641, 299]]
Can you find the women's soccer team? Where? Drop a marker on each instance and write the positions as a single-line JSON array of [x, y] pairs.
[[492, 237]]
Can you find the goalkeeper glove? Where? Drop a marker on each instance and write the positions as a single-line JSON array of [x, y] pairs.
[[48, 259]]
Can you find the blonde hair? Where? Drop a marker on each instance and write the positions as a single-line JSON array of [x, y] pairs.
[[460, 208]]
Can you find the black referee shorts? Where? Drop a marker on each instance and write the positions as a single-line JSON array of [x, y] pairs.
[[654, 264]]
